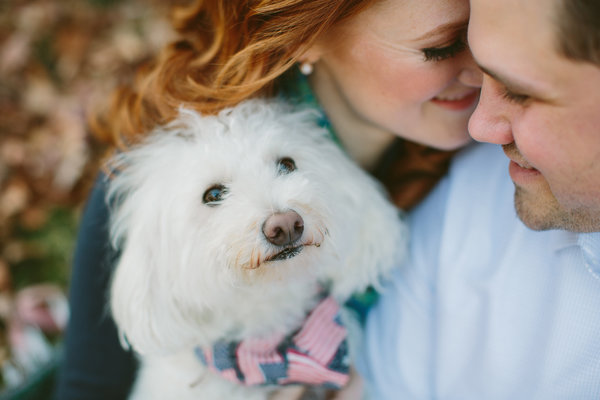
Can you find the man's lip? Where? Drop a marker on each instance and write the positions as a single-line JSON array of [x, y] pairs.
[[515, 156], [520, 163], [462, 103], [521, 175]]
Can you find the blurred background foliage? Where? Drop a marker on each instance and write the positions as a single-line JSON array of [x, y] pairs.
[[59, 59]]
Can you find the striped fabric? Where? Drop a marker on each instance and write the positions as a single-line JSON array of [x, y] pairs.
[[315, 354]]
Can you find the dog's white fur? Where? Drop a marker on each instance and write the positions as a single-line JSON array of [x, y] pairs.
[[191, 274]]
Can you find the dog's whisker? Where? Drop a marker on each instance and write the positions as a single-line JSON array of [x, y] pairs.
[[198, 380], [320, 232], [237, 259], [312, 240], [256, 261], [242, 265]]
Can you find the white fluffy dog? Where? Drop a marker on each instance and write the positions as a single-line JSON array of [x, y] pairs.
[[231, 228]]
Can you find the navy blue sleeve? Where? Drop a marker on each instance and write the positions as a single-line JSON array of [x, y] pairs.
[[94, 365]]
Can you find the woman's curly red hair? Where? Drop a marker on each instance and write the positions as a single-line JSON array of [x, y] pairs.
[[229, 50]]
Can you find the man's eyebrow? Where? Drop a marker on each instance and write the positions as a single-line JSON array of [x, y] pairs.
[[450, 27], [492, 74], [506, 82]]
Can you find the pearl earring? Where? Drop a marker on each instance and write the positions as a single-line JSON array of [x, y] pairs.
[[306, 68]]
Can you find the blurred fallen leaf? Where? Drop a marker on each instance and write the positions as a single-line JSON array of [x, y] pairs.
[[58, 61], [13, 198], [14, 52]]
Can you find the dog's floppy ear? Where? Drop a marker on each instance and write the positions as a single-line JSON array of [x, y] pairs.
[[142, 299], [144, 312]]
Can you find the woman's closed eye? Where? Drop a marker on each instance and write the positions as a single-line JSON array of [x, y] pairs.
[[445, 52]]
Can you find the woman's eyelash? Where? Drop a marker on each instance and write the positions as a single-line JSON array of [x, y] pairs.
[[443, 53], [514, 97]]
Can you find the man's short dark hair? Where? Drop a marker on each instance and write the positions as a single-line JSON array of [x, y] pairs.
[[578, 31]]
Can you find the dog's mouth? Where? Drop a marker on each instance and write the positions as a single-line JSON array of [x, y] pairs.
[[286, 254]]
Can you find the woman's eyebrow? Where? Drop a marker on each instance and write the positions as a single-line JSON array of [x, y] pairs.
[[450, 27]]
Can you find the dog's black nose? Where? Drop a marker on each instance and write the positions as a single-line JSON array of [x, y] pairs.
[[283, 228]]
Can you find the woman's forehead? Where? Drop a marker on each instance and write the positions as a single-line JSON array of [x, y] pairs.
[[410, 20]]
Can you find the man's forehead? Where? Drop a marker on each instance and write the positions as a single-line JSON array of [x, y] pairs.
[[518, 16], [511, 31], [513, 41]]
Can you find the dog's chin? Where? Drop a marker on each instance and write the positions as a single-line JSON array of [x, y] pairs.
[[285, 254]]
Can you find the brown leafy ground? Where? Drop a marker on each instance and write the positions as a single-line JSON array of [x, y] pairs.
[[58, 58]]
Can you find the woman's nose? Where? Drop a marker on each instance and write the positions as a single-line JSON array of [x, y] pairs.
[[470, 73]]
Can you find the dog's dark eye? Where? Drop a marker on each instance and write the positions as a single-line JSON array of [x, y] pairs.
[[214, 195], [286, 165]]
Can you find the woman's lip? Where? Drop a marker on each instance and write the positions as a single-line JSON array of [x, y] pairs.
[[459, 104]]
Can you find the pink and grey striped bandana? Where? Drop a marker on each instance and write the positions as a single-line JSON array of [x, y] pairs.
[[315, 354]]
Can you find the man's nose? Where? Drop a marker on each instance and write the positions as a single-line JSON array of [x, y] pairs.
[[489, 122]]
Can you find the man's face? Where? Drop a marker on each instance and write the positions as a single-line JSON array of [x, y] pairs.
[[543, 108]]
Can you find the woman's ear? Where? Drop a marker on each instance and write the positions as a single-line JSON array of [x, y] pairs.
[[310, 56]]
